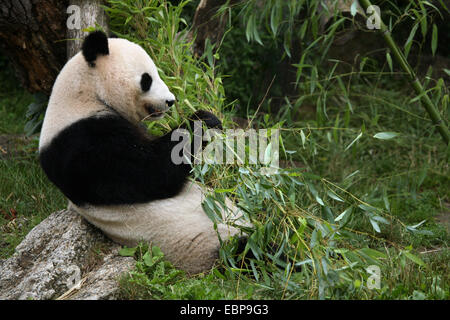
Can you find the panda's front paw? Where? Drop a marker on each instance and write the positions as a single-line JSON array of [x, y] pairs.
[[210, 120]]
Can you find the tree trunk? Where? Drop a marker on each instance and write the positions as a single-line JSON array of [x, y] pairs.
[[30, 36], [206, 25], [33, 36]]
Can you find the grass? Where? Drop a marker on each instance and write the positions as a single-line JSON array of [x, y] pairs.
[[155, 278], [351, 201], [26, 195], [13, 101]]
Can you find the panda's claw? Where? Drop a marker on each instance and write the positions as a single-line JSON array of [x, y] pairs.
[[210, 120]]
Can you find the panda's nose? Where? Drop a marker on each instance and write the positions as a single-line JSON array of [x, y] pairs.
[[170, 103]]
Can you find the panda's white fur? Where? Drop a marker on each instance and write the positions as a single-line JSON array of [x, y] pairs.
[[115, 79], [177, 225], [108, 86]]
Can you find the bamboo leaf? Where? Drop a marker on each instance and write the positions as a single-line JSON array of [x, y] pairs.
[[375, 225], [373, 253], [333, 196], [423, 23], [303, 29], [380, 219], [408, 42], [274, 19], [356, 139], [389, 61], [414, 258], [249, 29], [302, 135], [353, 8], [385, 135], [320, 201], [342, 215], [417, 225], [434, 39]]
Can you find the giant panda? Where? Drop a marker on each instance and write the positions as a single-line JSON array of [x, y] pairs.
[[119, 178]]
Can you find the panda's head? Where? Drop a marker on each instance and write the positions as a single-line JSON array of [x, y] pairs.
[[125, 77]]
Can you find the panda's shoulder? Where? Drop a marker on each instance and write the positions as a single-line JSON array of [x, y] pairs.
[[99, 132], [105, 122]]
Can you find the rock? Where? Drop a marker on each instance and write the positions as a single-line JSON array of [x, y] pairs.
[[64, 257]]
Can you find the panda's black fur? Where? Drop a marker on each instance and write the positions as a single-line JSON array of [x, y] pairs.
[[94, 44], [146, 82], [113, 161]]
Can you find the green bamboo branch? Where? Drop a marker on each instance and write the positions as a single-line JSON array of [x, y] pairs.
[[400, 58]]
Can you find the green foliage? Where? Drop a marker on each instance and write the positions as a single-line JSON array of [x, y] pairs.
[[13, 100], [317, 228], [248, 63], [156, 278], [19, 110], [152, 271], [35, 114]]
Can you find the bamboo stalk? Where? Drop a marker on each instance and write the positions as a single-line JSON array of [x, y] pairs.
[[400, 58]]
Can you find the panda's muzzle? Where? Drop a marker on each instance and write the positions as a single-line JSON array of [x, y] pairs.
[[154, 112]]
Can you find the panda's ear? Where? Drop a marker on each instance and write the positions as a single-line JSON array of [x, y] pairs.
[[94, 44]]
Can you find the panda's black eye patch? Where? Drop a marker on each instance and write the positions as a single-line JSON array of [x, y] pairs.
[[146, 82]]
